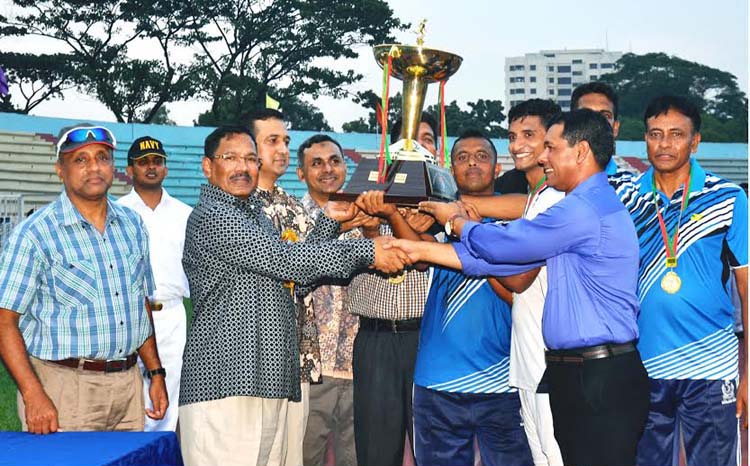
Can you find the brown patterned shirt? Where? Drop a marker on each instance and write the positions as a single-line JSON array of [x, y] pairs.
[[329, 303], [287, 213]]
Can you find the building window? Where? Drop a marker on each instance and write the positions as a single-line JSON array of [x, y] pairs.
[[551, 91], [576, 84], [577, 73], [593, 77], [563, 69], [564, 103], [577, 62], [593, 66], [517, 67], [549, 55], [516, 91], [551, 80], [532, 91], [517, 79], [551, 69], [532, 67], [607, 66], [532, 79], [563, 80], [563, 91]]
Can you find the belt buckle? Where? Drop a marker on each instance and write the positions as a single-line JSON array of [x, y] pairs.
[[117, 365]]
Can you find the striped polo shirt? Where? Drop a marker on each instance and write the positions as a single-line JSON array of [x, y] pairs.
[[689, 334]]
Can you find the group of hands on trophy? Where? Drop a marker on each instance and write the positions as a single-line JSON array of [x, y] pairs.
[[392, 254]]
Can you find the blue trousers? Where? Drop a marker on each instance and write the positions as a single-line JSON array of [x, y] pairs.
[[705, 412], [445, 425]]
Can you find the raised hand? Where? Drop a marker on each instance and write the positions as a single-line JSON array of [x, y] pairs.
[[341, 211], [373, 202], [442, 211], [389, 260]]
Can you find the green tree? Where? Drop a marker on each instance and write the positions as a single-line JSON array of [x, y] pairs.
[[97, 35], [252, 47], [640, 78], [36, 77]]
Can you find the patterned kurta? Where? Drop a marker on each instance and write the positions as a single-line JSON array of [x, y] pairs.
[[329, 303], [287, 213], [243, 340]]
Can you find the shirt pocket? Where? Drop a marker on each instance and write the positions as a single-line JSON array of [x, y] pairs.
[[75, 283], [136, 269]]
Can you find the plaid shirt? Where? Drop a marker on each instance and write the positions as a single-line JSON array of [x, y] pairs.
[[378, 296], [80, 293]]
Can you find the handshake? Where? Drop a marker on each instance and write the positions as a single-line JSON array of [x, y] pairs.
[[367, 212]]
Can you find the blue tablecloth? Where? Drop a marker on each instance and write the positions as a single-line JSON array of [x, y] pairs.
[[90, 449]]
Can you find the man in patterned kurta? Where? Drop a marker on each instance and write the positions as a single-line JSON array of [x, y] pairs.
[[290, 219], [321, 165]]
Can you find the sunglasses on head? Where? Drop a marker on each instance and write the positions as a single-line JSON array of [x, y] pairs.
[[83, 134]]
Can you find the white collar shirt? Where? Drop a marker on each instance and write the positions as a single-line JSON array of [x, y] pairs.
[[166, 231]]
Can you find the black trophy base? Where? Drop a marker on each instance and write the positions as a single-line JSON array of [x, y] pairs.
[[407, 183]]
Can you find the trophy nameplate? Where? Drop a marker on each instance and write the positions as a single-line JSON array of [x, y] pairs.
[[413, 175]]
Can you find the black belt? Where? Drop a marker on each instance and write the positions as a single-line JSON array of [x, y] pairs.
[[578, 355], [394, 326]]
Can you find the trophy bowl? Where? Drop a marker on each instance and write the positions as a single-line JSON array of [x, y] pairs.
[[430, 65], [413, 176]]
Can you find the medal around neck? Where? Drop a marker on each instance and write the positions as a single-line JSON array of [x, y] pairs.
[[671, 282]]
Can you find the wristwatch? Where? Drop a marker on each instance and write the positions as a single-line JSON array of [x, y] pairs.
[[157, 371], [449, 229]]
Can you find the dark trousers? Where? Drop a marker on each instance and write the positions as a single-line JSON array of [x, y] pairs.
[[446, 424], [383, 365], [599, 409], [704, 410]]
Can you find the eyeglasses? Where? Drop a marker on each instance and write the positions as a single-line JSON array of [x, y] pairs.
[[235, 159], [479, 157], [83, 134]]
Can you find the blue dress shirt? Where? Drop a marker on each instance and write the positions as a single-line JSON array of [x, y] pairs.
[[590, 247]]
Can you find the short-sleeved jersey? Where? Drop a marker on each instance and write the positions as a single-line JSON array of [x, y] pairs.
[[689, 334]]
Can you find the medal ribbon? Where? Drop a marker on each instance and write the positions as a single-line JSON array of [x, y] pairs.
[[530, 200], [670, 245]]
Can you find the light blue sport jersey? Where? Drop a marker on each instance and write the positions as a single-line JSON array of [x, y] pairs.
[[689, 335], [464, 342]]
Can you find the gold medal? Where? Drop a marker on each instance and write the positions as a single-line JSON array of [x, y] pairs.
[[396, 279], [671, 282]]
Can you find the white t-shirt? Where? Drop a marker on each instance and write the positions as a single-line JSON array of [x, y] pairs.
[[166, 238], [526, 343]]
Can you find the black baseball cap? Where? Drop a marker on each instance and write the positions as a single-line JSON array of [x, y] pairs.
[[145, 146]]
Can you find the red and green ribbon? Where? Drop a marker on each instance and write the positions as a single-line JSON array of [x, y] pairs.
[[670, 244], [446, 161], [385, 153]]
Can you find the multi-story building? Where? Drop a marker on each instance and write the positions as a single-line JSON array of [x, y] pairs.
[[553, 74]]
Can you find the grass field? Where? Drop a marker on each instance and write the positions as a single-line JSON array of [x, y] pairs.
[[8, 416]]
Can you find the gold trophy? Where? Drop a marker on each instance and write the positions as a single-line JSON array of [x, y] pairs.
[[414, 175]]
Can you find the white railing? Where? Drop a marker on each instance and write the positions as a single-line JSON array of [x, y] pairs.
[[11, 214]]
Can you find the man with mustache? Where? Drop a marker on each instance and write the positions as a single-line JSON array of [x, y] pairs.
[[74, 282], [590, 247], [241, 363], [165, 218], [692, 228]]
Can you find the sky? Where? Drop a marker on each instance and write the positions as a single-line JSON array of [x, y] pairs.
[[484, 32]]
